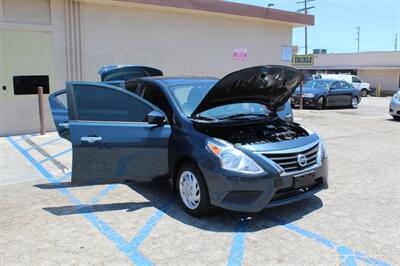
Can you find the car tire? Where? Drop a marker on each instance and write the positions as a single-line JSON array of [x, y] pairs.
[[354, 102], [364, 93], [396, 118], [192, 190], [320, 103]]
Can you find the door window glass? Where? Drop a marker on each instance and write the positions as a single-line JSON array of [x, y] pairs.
[[134, 87], [62, 98], [97, 103], [356, 80], [335, 86], [345, 85], [154, 95]]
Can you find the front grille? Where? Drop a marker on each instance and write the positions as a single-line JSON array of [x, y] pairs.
[[289, 161]]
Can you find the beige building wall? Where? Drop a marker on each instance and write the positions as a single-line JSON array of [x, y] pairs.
[[175, 42]]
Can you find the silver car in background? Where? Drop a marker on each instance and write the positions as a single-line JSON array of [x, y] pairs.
[[394, 108]]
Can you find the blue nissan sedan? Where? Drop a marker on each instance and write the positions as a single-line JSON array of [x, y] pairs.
[[220, 142]]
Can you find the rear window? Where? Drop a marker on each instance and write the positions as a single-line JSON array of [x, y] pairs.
[[317, 84]]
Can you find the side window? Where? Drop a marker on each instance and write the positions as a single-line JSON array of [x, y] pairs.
[[345, 85], [107, 104], [62, 98], [335, 86], [154, 95], [355, 79], [134, 87]]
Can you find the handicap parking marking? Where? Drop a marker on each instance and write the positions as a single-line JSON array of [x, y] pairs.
[[236, 254], [49, 158], [130, 249], [44, 144], [348, 256], [103, 193]]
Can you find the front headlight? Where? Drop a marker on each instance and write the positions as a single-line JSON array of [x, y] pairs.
[[322, 153], [308, 95], [397, 96], [233, 159]]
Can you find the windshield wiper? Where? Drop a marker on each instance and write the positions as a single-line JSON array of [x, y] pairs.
[[243, 115]]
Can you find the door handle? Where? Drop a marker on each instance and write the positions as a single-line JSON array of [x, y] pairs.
[[91, 139], [64, 124]]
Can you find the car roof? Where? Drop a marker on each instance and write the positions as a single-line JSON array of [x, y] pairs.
[[178, 80], [329, 80]]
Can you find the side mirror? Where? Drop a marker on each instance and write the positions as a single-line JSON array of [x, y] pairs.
[[156, 118]]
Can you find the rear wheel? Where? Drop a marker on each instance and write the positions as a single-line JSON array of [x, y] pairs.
[[396, 118], [364, 93], [354, 102], [192, 190], [320, 103]]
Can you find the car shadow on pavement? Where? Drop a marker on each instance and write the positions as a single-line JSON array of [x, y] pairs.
[[160, 196]]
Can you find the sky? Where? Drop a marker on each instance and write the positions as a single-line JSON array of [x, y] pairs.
[[336, 23]]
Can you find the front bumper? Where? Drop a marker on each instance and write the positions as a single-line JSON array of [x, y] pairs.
[[394, 108], [307, 101], [254, 193]]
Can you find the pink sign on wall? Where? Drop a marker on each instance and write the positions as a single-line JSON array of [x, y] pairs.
[[240, 53]]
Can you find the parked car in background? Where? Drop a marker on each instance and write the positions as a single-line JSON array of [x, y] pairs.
[[394, 108], [321, 93], [362, 86], [220, 142]]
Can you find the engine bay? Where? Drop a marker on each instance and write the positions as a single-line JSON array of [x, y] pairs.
[[258, 133]]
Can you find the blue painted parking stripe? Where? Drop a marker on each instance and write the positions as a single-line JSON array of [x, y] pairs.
[[236, 254], [55, 156], [144, 232], [103, 193], [129, 249], [347, 255], [44, 144]]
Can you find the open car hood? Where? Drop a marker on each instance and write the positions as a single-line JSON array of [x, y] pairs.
[[127, 72], [270, 85]]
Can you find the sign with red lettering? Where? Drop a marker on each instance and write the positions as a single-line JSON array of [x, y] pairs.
[[240, 54]]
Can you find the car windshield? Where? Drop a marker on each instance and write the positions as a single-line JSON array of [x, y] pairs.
[[317, 84], [189, 97]]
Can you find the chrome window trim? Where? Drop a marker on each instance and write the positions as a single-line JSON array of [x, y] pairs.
[[113, 122]]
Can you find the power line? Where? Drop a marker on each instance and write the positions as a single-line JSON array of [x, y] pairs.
[[305, 9]]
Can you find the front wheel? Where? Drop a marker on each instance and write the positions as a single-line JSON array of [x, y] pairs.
[[396, 118], [320, 103], [192, 190], [364, 93], [354, 102]]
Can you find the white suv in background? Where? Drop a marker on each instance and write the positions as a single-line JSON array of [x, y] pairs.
[[352, 79]]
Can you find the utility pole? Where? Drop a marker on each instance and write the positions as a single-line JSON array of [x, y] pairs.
[[395, 42], [305, 9], [358, 39]]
